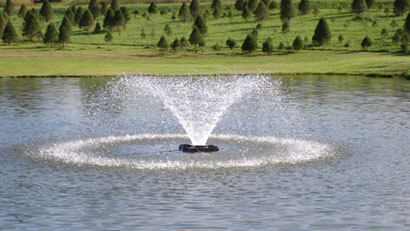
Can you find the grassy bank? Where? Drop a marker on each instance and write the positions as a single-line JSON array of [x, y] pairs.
[[88, 60]]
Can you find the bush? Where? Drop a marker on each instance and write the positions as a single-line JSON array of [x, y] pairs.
[[231, 43], [297, 43], [267, 46]]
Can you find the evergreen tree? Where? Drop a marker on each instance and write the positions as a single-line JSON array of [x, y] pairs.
[[216, 12], [115, 5], [200, 24], [304, 7], [322, 33], [252, 4], [261, 11], [126, 14], [407, 24], [70, 15], [46, 12], [359, 6], [230, 43], [246, 13], [287, 10], [97, 28], [163, 44], [176, 44], [370, 4], [184, 12], [196, 37], [194, 8], [31, 27], [118, 19], [9, 34], [23, 11], [87, 20], [2, 25], [168, 29], [94, 7], [401, 7], [78, 15], [285, 27], [384, 33], [9, 8], [34, 12], [249, 44], [184, 42], [103, 8], [216, 4], [109, 20], [267, 46], [51, 35], [239, 5], [152, 9], [64, 32], [108, 37], [143, 34], [366, 43], [297, 43], [273, 5]]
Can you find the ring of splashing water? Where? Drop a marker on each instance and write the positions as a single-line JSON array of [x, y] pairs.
[[296, 151]]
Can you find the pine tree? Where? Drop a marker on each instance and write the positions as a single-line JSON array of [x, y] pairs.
[[370, 4], [366, 43], [175, 44], [64, 32], [152, 9], [401, 7], [200, 24], [168, 29], [2, 25], [103, 8], [23, 11], [109, 20], [285, 27], [246, 13], [194, 8], [322, 33], [287, 10], [297, 43], [267, 46], [78, 15], [359, 6], [163, 44], [216, 4], [70, 15], [115, 5], [216, 13], [87, 20], [239, 5], [118, 19], [261, 11], [230, 43], [46, 11], [97, 28], [249, 44], [108, 37], [51, 35], [94, 7], [9, 8], [273, 5], [304, 7], [184, 42], [31, 27], [407, 24], [196, 37], [252, 4], [126, 14], [9, 34], [184, 13]]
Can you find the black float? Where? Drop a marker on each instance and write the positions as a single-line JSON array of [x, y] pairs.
[[198, 148]]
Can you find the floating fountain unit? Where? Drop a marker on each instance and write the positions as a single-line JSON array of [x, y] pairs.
[[198, 148]]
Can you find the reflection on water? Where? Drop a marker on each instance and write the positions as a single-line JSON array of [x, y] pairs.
[[360, 182]]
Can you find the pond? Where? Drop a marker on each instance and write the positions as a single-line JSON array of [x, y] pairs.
[[296, 153]]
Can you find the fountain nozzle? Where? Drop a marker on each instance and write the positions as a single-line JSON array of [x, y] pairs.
[[198, 148]]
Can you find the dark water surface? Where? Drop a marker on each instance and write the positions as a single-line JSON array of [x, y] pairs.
[[68, 161]]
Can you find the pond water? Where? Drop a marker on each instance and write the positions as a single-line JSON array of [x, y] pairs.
[[300, 153]]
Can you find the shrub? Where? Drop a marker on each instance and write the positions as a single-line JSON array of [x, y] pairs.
[[297, 43], [267, 46]]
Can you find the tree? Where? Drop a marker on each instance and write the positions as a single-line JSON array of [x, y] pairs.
[[31, 27], [9, 8], [216, 12], [370, 4], [9, 34], [70, 15], [359, 6], [51, 35], [231, 43], [200, 24], [366, 43], [273, 5], [152, 9], [109, 19], [2, 24], [261, 11], [196, 37], [401, 7], [163, 44], [78, 15], [94, 7], [168, 29], [175, 44], [184, 13], [194, 8], [87, 20], [118, 19], [108, 37], [249, 44], [322, 33], [246, 13], [297, 43], [97, 28], [252, 4], [304, 7], [340, 38], [184, 42], [46, 11], [115, 5], [216, 4], [23, 11], [239, 4], [287, 10], [64, 32], [126, 14], [285, 27], [384, 33], [267, 46], [407, 24], [104, 8], [281, 46]]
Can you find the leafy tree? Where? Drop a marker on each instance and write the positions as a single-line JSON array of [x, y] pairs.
[[297, 43], [267, 46], [261, 11], [196, 37], [64, 32], [184, 13], [9, 34], [249, 44], [97, 28], [194, 8], [168, 29], [9, 8], [246, 13], [231, 43], [78, 15], [287, 10], [304, 7], [87, 20], [370, 3], [252, 4], [103, 8], [359, 6], [366, 43], [407, 24], [70, 15], [108, 37], [109, 19], [273, 5], [126, 14], [163, 44], [239, 5], [175, 44], [200, 24], [31, 27], [23, 11], [94, 7], [184, 42], [322, 33], [115, 5], [152, 9], [118, 19], [401, 7], [46, 11], [51, 35]]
